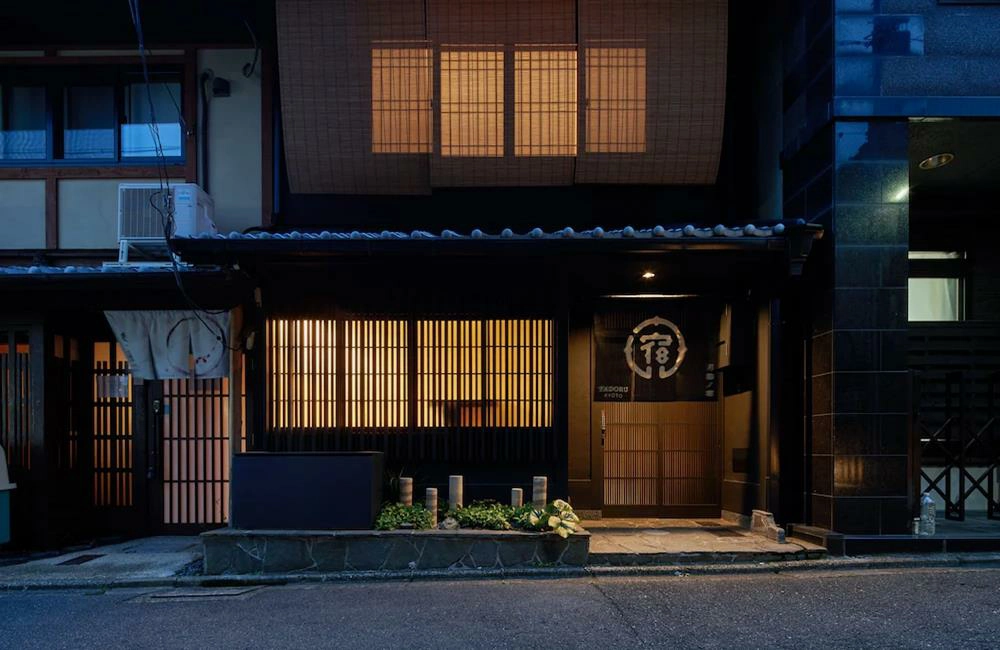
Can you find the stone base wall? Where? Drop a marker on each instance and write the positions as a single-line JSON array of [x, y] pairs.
[[231, 551]]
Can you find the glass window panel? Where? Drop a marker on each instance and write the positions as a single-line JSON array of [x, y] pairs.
[[89, 122], [160, 101], [402, 92], [935, 299], [472, 99], [545, 103], [22, 123], [616, 99]]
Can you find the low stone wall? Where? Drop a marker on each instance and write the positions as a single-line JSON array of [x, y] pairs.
[[233, 551]]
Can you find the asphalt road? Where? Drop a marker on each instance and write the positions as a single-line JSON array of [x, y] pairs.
[[898, 609]]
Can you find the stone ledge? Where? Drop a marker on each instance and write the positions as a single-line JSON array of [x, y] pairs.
[[241, 552]]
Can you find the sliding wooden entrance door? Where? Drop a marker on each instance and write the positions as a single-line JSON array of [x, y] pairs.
[[662, 459]]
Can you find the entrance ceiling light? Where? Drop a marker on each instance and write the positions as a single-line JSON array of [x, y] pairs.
[[648, 275], [937, 160]]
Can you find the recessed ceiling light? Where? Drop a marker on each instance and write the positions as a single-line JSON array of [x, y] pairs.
[[937, 160], [648, 275]]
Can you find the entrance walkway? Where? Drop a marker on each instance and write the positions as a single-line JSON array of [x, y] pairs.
[[624, 542], [152, 558]]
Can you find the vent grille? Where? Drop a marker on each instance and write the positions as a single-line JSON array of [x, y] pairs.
[[138, 219]]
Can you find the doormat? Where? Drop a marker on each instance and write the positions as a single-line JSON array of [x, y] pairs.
[[81, 559]]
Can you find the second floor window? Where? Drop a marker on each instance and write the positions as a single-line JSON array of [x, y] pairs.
[[402, 100], [545, 108], [936, 286], [99, 116], [472, 103], [616, 99]]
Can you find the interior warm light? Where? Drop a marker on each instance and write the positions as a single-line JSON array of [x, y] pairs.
[[937, 160], [648, 275], [651, 296]]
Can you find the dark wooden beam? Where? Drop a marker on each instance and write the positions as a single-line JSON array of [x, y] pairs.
[[190, 110], [124, 59], [51, 212], [109, 171], [267, 189]]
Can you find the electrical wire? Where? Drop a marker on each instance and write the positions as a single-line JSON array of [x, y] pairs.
[[166, 212], [250, 68]]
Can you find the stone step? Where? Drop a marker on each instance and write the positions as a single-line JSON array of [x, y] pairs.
[[701, 557]]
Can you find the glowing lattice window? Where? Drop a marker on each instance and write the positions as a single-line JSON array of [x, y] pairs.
[[616, 100], [472, 103], [545, 102], [402, 100]]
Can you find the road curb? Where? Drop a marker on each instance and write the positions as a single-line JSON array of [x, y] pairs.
[[982, 560]]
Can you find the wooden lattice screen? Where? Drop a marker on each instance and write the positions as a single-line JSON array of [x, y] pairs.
[[15, 400], [114, 484], [399, 96], [195, 451], [445, 388]]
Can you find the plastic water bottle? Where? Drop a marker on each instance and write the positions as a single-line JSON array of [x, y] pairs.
[[928, 517]]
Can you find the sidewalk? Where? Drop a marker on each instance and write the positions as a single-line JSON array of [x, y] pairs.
[[175, 562]]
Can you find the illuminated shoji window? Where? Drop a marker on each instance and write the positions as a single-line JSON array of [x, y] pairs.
[[450, 373], [301, 371], [472, 103], [112, 426], [375, 373], [545, 102], [402, 100], [616, 99], [519, 370]]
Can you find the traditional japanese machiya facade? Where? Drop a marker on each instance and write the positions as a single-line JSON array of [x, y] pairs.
[[621, 245]]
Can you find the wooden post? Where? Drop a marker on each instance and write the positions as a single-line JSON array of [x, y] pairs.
[[455, 489], [516, 497], [406, 491], [235, 393], [431, 503], [539, 492]]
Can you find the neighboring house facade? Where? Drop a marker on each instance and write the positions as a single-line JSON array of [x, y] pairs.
[[656, 251]]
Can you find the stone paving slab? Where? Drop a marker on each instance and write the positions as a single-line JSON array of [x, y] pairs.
[[151, 558], [619, 542]]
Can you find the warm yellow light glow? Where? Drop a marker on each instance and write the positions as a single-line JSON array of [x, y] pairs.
[[376, 393], [648, 275], [545, 102], [616, 99], [301, 365], [402, 100], [472, 102]]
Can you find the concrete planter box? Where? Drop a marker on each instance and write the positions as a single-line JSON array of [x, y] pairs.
[[234, 551], [306, 491]]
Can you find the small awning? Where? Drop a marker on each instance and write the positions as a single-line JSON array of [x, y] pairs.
[[791, 238]]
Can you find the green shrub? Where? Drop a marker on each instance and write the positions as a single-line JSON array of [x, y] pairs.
[[485, 515], [394, 515]]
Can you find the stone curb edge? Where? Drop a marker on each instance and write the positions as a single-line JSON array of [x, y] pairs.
[[991, 560]]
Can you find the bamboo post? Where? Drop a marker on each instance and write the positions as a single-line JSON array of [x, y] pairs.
[[516, 497], [455, 489], [431, 503], [406, 491], [539, 492]]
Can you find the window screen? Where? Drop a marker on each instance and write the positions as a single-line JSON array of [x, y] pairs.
[[22, 123], [148, 111], [472, 103], [616, 100], [89, 122], [402, 96], [545, 103]]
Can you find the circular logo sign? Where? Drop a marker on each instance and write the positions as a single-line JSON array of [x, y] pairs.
[[655, 348]]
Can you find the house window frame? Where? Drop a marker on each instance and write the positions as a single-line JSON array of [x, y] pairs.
[[937, 264], [57, 78]]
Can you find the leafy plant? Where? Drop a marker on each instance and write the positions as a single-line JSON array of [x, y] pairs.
[[486, 515], [395, 515], [557, 516]]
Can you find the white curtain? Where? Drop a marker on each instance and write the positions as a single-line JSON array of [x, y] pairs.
[[173, 344]]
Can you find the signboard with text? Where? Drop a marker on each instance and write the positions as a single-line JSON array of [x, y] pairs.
[[661, 351]]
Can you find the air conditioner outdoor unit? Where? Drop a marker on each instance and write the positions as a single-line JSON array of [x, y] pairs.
[[142, 212]]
